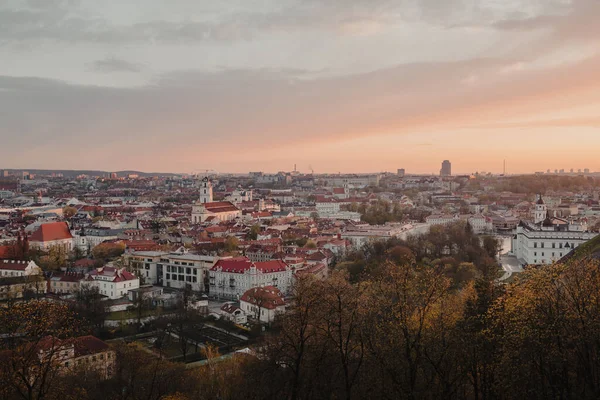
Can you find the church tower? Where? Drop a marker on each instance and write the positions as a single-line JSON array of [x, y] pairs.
[[541, 211], [206, 191]]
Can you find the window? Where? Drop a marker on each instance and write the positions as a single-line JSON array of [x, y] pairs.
[[168, 276], [188, 271], [542, 245], [195, 271], [147, 266], [194, 279], [188, 278], [181, 278], [553, 245], [535, 245], [168, 268], [181, 270]]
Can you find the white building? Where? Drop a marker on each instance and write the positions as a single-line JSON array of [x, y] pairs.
[[230, 278], [232, 312], [175, 269], [239, 196], [548, 240], [10, 268], [112, 282], [263, 303], [207, 209], [328, 207], [480, 224]]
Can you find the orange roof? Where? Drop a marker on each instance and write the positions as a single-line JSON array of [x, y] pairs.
[[52, 231]]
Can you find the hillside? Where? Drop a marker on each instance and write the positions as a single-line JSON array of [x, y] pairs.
[[590, 249]]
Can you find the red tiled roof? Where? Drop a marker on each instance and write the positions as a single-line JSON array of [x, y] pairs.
[[269, 297], [5, 251], [271, 266], [241, 264], [236, 265], [51, 231], [116, 274], [220, 206], [13, 265], [86, 345]]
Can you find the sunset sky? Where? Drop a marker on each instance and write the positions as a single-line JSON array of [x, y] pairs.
[[261, 85]]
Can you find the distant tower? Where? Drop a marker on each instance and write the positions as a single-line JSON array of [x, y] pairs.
[[539, 215], [401, 172], [206, 191], [446, 168]]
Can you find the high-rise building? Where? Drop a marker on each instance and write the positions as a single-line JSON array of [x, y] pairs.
[[446, 168], [401, 172]]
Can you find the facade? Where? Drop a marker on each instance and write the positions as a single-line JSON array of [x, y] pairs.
[[65, 283], [263, 303], [10, 268], [328, 207], [112, 282], [546, 242], [176, 269], [82, 352], [205, 208], [230, 278]]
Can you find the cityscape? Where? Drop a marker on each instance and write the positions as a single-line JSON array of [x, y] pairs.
[[299, 200]]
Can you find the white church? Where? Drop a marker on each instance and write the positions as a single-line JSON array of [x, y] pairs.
[[546, 239], [207, 210]]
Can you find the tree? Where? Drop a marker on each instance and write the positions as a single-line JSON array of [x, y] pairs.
[[108, 251], [33, 335], [254, 231], [90, 307], [184, 321], [231, 244], [69, 212]]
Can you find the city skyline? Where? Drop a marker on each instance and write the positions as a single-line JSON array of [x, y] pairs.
[[366, 86]]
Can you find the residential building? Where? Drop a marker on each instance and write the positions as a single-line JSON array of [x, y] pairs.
[[82, 352], [263, 303], [232, 312], [172, 269], [112, 282], [65, 283], [10, 268], [230, 278]]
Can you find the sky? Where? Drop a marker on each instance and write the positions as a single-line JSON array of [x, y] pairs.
[[326, 85]]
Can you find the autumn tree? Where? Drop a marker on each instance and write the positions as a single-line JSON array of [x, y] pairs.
[[34, 333], [69, 212]]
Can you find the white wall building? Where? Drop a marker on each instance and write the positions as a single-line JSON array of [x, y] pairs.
[[176, 269], [112, 282], [230, 278], [10, 268], [263, 303], [547, 242]]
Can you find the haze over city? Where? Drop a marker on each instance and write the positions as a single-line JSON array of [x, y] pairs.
[[346, 86]]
